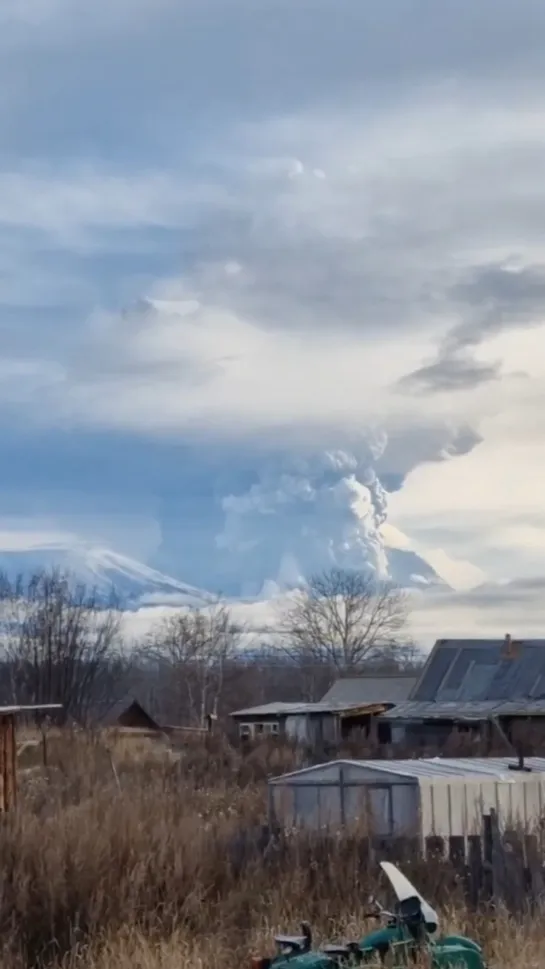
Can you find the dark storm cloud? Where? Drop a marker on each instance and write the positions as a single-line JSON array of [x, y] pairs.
[[494, 298], [449, 374], [490, 299]]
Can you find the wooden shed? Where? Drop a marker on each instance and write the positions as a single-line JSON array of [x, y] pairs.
[[128, 713], [8, 748]]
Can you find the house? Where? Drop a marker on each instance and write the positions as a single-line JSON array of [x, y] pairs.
[[351, 703], [467, 683], [128, 713]]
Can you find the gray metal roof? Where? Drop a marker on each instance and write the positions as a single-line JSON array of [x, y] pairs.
[[28, 707], [370, 689], [446, 768], [477, 710], [272, 710], [297, 709], [478, 670]]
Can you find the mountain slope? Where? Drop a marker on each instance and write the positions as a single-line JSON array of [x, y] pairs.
[[136, 584]]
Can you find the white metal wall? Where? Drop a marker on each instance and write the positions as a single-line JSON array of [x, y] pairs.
[[456, 806]]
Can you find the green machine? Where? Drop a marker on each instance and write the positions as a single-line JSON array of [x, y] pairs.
[[407, 937]]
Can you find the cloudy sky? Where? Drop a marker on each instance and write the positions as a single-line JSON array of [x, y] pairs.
[[272, 280]]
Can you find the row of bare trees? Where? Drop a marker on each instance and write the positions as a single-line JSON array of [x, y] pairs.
[[61, 642]]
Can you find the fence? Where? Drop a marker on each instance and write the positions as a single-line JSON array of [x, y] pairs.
[[495, 869], [505, 868]]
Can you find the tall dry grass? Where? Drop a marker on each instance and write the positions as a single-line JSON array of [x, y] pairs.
[[124, 853]]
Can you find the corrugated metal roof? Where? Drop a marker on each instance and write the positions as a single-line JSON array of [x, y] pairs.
[[474, 670], [370, 689], [272, 710], [478, 710], [446, 768], [297, 709], [28, 707]]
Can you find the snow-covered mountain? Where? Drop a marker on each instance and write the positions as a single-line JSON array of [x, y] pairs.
[[139, 586], [104, 570], [412, 566]]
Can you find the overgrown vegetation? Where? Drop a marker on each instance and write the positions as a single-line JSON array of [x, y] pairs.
[[129, 852], [124, 853]]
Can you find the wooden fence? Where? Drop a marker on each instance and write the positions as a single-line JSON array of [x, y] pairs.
[[505, 868], [499, 868]]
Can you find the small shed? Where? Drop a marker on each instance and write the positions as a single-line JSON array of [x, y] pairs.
[[128, 713], [441, 797], [307, 723]]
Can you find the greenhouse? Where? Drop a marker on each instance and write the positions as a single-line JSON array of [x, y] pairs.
[[421, 798]]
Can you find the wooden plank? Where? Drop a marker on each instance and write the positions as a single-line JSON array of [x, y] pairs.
[[535, 882], [13, 753], [3, 806], [434, 847], [475, 871], [9, 761], [514, 888], [457, 851]]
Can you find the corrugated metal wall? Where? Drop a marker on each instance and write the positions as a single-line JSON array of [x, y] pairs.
[[343, 793], [401, 806], [456, 807]]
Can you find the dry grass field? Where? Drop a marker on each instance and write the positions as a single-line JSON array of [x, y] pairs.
[[121, 855]]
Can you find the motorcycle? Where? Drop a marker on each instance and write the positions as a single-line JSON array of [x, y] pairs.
[[409, 933]]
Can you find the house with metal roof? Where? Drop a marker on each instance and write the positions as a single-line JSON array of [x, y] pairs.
[[351, 703], [468, 682]]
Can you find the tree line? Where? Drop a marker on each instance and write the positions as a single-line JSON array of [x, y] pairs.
[[62, 642]]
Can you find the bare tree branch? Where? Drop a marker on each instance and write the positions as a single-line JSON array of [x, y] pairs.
[[195, 646], [342, 622], [61, 642]]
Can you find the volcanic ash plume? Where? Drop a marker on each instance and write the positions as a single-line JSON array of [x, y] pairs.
[[307, 514]]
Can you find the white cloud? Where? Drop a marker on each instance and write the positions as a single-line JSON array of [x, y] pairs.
[[135, 535], [390, 156], [432, 617], [69, 206], [179, 364]]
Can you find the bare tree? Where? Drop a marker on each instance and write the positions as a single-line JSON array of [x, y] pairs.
[[342, 622], [195, 647], [61, 641]]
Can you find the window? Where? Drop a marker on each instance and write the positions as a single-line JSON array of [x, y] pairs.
[[259, 729]]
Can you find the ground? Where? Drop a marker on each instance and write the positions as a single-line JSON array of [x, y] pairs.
[[123, 853]]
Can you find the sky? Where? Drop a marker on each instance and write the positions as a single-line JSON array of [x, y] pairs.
[[272, 282]]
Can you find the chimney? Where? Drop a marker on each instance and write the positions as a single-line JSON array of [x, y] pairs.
[[510, 648]]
